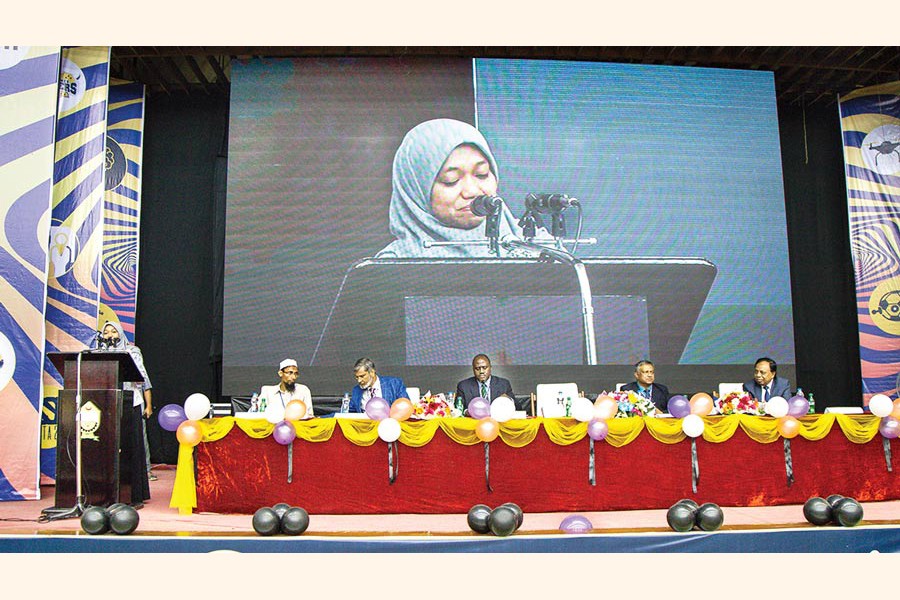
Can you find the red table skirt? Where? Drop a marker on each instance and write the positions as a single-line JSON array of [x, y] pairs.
[[238, 474]]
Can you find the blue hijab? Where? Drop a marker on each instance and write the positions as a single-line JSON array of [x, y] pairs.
[[416, 165]]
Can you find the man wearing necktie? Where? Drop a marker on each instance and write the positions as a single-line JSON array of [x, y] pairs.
[[645, 385], [483, 385], [371, 385], [766, 384]]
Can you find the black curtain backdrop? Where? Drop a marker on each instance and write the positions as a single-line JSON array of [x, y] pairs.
[[822, 284], [175, 323], [180, 277]]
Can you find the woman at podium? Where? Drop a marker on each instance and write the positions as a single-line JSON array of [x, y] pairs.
[[441, 166], [142, 407]]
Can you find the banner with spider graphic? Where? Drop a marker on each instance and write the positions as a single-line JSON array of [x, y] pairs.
[[870, 121]]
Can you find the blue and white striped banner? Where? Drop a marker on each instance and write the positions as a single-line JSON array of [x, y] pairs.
[[28, 92], [76, 227], [121, 205]]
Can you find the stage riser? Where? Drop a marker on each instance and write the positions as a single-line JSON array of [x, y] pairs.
[[856, 540]]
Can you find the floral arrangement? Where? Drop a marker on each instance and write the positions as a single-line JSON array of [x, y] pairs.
[[632, 404], [433, 406], [738, 402]]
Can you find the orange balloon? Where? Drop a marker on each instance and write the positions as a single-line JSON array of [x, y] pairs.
[[189, 433], [401, 409], [602, 397], [896, 412], [701, 404], [605, 408], [788, 426], [487, 429], [295, 410]]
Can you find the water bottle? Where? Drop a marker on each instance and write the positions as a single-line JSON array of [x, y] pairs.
[[812, 404], [568, 406], [254, 403], [458, 404], [262, 404], [345, 403], [560, 401]]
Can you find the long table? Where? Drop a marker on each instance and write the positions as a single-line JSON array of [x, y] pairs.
[[342, 467]]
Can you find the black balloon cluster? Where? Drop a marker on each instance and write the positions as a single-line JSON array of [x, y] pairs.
[[834, 509], [502, 521], [119, 518], [281, 518], [686, 515]]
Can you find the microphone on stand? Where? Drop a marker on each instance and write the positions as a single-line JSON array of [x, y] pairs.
[[99, 341], [484, 206], [549, 203], [552, 204], [489, 206]]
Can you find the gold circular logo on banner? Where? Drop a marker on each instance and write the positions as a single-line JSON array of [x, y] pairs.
[[884, 306]]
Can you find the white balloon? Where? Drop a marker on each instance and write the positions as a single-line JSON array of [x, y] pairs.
[[502, 409], [881, 405], [582, 409], [389, 429], [692, 426], [196, 407], [777, 407], [274, 414]]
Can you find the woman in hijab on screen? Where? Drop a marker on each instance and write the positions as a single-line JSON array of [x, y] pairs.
[[440, 167]]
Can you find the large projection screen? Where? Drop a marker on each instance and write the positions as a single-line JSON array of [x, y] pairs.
[[670, 165]]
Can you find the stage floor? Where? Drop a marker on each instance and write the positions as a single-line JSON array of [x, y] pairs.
[[646, 530]]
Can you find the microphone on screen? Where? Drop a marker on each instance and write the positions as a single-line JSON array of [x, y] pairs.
[[549, 203], [484, 206]]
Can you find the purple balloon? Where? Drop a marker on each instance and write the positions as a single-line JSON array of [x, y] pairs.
[[889, 428], [679, 406], [597, 429], [798, 406], [284, 433], [171, 416], [378, 408], [479, 408], [576, 524]]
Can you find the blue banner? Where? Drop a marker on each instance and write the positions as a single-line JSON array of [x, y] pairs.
[[28, 77]]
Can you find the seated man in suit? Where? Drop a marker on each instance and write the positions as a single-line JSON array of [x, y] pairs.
[[644, 385], [766, 384], [482, 385], [370, 385], [278, 396]]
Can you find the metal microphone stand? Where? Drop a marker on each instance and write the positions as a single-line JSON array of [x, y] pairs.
[[55, 514], [587, 307]]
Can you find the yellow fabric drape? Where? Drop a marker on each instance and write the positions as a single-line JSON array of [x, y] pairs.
[[517, 433], [360, 432], [315, 430], [667, 431], [184, 492], [461, 430], [859, 429]]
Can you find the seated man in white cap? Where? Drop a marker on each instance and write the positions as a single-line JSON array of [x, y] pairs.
[[277, 396]]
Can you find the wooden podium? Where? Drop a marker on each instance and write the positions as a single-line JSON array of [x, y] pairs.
[[106, 420]]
